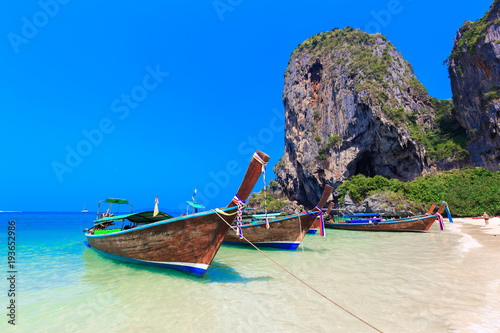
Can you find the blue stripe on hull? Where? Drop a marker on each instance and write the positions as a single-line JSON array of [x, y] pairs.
[[312, 231], [196, 271], [276, 245]]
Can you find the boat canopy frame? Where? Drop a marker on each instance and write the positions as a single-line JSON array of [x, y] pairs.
[[115, 201], [195, 205], [137, 218]]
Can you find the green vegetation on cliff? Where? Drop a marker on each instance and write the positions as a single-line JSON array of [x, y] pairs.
[[333, 141], [279, 166], [448, 139], [474, 32], [491, 96], [371, 58], [336, 39], [355, 50], [274, 204], [468, 191]]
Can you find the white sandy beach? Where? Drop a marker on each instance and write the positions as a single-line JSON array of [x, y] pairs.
[[492, 228]]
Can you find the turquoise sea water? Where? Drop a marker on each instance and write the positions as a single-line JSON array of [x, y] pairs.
[[399, 282]]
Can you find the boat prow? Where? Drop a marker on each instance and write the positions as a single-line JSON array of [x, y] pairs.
[[283, 233], [317, 223]]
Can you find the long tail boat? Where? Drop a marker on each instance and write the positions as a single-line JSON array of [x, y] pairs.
[[413, 223], [283, 233], [186, 243], [317, 223]]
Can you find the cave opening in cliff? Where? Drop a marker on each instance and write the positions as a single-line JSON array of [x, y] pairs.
[[364, 165], [315, 71]]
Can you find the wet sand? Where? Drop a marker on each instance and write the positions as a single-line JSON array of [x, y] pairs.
[[479, 280], [493, 228]]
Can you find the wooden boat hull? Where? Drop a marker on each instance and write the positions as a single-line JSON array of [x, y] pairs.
[[285, 233], [314, 227], [416, 223], [186, 244]]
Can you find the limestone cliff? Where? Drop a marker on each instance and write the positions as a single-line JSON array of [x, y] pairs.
[[474, 68], [352, 105]]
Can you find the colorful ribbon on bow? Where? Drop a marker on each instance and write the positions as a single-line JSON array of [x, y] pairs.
[[261, 161], [440, 219], [322, 222], [239, 216], [434, 205], [448, 212]]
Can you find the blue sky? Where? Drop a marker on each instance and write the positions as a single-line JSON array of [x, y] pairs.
[[137, 99]]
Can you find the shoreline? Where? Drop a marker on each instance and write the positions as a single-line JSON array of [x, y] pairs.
[[493, 228]]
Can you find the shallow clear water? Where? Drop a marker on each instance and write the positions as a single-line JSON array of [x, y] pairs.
[[440, 281]]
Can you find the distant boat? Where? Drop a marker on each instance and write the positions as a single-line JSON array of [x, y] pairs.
[[85, 210], [373, 222], [284, 232], [187, 243]]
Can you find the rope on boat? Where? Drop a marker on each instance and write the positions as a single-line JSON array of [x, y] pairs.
[[239, 217], [300, 280], [224, 213]]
